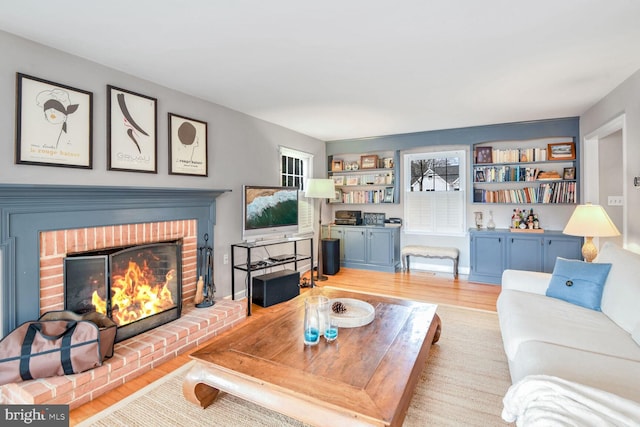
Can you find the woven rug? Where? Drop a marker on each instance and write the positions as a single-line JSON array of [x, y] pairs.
[[462, 384]]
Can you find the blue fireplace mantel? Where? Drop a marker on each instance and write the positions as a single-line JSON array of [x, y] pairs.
[[27, 210]]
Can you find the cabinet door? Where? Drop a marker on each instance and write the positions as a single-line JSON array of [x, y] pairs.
[[487, 257], [524, 253], [379, 246], [565, 247], [338, 233], [354, 244]]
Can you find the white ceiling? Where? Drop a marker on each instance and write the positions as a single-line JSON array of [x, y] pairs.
[[337, 69]]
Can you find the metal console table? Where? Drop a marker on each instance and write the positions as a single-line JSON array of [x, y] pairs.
[[249, 267]]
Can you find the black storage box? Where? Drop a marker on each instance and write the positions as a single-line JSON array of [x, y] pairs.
[[273, 288]]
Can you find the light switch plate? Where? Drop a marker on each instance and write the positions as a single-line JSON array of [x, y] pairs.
[[615, 201]]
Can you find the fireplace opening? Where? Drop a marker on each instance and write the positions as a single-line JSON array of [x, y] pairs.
[[138, 287]]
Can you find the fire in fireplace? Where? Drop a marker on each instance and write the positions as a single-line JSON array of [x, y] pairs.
[[139, 287]]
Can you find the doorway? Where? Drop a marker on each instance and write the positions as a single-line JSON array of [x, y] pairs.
[[604, 171]]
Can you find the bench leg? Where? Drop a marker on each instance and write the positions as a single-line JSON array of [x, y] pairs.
[[455, 268], [405, 263]]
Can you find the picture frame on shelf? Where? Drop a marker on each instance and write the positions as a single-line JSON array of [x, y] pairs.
[[484, 155], [388, 195], [132, 138], [188, 149], [569, 173], [338, 180], [53, 124], [352, 180], [561, 151], [336, 165], [380, 179], [480, 176], [369, 161]]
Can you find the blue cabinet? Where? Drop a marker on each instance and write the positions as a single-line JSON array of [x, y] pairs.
[[367, 247], [487, 257], [524, 252], [560, 246], [494, 251]]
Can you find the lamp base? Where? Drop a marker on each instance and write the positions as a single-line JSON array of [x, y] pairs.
[[589, 250], [320, 278]]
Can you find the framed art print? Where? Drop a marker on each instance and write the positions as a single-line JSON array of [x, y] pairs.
[[484, 155], [53, 124], [132, 141], [187, 146], [561, 151]]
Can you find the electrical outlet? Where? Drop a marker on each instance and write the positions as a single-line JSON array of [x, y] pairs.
[[225, 259], [615, 201]]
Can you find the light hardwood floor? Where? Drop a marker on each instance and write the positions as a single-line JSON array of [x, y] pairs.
[[423, 286]]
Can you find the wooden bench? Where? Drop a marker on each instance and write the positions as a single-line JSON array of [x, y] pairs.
[[430, 252]]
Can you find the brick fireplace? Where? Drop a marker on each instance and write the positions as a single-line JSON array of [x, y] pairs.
[[40, 225]]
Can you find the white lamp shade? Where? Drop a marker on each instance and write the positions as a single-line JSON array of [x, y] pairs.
[[590, 220], [318, 188]]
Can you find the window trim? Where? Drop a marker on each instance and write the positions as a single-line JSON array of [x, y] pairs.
[[408, 157]]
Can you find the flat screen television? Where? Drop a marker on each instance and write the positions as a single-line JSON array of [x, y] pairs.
[[269, 212]]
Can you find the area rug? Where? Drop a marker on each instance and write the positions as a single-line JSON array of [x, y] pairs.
[[463, 383]]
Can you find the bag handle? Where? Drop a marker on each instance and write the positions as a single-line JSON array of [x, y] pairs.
[[65, 353]]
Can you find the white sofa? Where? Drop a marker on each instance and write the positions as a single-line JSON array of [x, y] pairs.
[[548, 336]]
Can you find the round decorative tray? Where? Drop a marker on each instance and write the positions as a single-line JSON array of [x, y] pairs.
[[357, 313]]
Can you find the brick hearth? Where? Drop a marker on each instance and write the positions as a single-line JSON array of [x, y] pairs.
[[139, 354], [132, 358]]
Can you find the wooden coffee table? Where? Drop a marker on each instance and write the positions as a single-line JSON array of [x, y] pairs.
[[366, 377]]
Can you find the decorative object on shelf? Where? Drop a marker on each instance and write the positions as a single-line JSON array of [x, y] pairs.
[[590, 221], [484, 155], [561, 151], [525, 221], [187, 146], [338, 179], [132, 139], [336, 165], [319, 188], [569, 173], [480, 176], [490, 224], [371, 218], [369, 161], [478, 219], [388, 162], [48, 139], [205, 273]]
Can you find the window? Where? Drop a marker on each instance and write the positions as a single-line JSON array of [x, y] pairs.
[[434, 190], [295, 169]]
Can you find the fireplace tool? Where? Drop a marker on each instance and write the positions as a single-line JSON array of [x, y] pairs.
[[206, 288]]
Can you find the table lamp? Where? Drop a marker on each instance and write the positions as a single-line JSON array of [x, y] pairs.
[[318, 188], [590, 221]]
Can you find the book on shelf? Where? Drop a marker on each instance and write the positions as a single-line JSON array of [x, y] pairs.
[[519, 155], [379, 195], [548, 192]]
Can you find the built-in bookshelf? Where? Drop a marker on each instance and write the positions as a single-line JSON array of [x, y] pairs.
[[533, 171], [365, 178]]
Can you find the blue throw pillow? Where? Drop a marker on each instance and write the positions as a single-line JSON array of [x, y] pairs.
[[578, 282]]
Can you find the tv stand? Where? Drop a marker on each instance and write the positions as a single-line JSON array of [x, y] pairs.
[[249, 266]]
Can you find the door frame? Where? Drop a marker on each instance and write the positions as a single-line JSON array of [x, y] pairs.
[[591, 178]]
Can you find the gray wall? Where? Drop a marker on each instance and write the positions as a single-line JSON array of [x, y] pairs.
[[553, 217], [242, 149], [624, 99]]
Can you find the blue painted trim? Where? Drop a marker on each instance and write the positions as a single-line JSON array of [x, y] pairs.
[[26, 210]]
